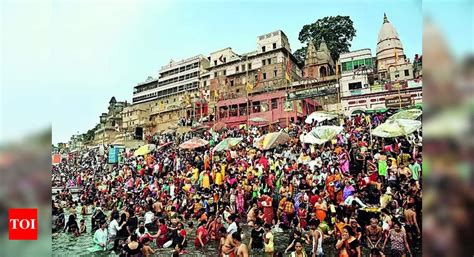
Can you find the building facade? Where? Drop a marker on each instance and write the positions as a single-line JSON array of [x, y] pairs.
[[254, 80], [386, 81], [110, 122]]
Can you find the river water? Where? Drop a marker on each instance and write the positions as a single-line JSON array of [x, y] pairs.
[[67, 245]]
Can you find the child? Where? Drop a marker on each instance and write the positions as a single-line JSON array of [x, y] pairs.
[[147, 250], [82, 226]]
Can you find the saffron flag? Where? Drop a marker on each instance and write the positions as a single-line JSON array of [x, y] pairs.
[[288, 69], [249, 87], [396, 55], [337, 69]]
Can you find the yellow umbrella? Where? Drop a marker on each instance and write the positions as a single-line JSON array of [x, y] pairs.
[[274, 139], [145, 149]]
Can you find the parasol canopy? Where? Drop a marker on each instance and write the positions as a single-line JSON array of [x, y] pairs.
[[410, 114], [396, 128], [164, 145], [219, 126], [194, 143], [200, 128], [274, 139], [321, 134], [145, 149], [227, 144], [258, 119], [320, 116]]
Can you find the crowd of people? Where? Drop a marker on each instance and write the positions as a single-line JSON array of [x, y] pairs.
[[354, 195]]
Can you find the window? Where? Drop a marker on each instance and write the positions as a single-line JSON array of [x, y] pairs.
[[264, 75], [249, 66], [270, 61], [355, 85], [243, 109], [274, 103], [224, 72], [274, 45], [275, 73], [263, 62], [204, 83], [407, 73], [256, 77], [215, 74], [263, 49], [243, 67], [225, 59], [236, 68], [237, 91], [215, 62], [256, 107], [232, 83]]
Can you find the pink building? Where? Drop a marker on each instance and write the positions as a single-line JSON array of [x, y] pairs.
[[270, 106]]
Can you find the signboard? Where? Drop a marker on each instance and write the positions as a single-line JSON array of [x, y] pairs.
[[312, 92], [396, 102], [113, 154], [121, 152]]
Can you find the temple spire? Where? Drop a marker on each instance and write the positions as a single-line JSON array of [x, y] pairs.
[[385, 20]]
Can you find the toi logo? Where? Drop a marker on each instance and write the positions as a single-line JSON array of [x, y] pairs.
[[23, 224]]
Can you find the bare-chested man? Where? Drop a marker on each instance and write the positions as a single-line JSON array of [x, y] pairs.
[[374, 234], [411, 222], [228, 246], [241, 249]]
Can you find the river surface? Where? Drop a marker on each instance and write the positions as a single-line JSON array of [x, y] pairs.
[[67, 245]]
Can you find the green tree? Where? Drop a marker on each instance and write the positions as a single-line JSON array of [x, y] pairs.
[[337, 31]]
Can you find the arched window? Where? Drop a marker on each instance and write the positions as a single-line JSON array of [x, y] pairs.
[[322, 71]]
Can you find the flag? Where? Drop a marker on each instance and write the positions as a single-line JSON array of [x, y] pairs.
[[396, 55], [288, 69], [216, 94], [162, 106], [259, 77], [337, 69], [249, 87], [221, 58]]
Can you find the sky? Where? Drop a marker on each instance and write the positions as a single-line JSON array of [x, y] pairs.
[[62, 61]]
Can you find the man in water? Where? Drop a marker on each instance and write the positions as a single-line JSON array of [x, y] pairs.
[[241, 249]]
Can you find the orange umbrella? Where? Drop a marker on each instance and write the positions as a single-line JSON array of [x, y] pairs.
[[219, 126], [194, 143]]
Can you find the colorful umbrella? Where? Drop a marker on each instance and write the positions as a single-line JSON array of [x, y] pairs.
[[164, 145], [396, 128], [219, 126], [194, 143], [321, 134], [274, 139], [145, 149], [410, 114], [320, 116], [227, 144]]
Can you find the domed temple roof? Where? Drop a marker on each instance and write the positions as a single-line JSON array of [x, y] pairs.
[[388, 41]]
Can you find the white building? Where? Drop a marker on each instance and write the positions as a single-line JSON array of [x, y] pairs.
[[174, 78], [386, 82]]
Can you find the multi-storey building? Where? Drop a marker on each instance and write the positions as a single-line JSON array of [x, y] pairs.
[[177, 87], [254, 84], [385, 81]]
